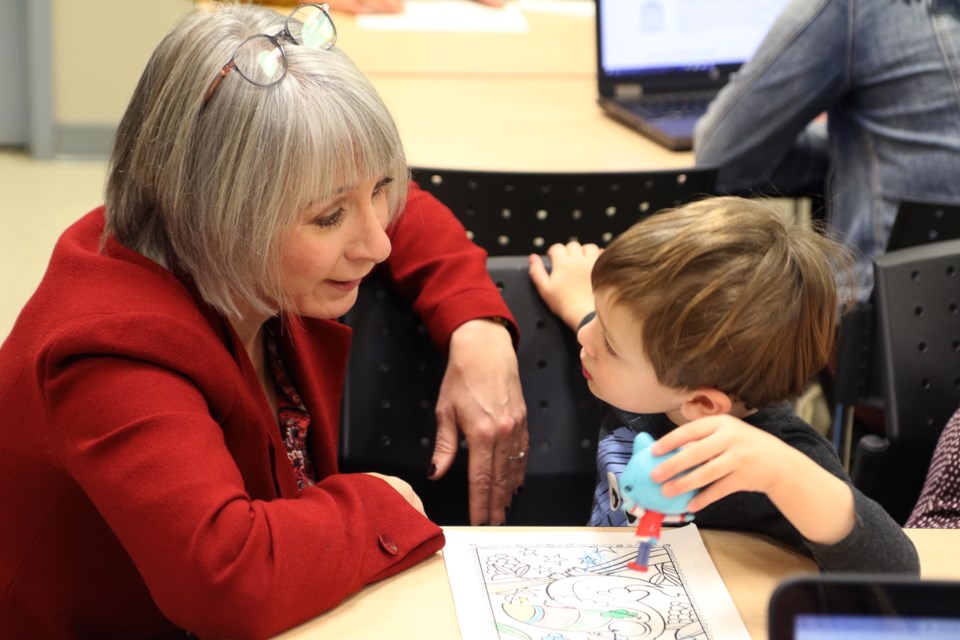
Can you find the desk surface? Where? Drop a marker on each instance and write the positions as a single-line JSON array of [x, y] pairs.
[[553, 45], [750, 567], [515, 124], [500, 101]]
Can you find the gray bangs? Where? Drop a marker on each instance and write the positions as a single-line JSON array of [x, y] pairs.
[[342, 128]]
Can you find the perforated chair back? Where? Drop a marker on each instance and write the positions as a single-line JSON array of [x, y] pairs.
[[919, 223], [510, 213], [859, 359], [392, 385], [918, 320]]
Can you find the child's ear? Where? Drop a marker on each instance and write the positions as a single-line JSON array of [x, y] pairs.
[[706, 402]]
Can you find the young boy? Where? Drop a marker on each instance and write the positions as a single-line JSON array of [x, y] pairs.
[[697, 325]]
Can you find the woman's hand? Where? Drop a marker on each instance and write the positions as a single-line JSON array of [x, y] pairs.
[[403, 488], [366, 6], [566, 288], [383, 6], [481, 397]]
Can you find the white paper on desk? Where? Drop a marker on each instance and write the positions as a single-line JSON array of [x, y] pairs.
[[448, 15], [577, 586]]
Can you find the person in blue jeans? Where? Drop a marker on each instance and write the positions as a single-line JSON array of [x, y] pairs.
[[887, 76], [697, 325]]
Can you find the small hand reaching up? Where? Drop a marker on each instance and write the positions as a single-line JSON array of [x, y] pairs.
[[566, 287]]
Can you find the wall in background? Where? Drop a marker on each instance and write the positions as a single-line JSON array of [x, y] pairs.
[[98, 50], [14, 125]]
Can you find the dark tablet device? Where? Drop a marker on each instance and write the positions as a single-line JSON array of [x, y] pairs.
[[861, 607]]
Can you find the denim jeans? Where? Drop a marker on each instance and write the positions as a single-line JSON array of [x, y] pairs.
[[886, 73]]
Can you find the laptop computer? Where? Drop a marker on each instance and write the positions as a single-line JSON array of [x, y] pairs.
[[838, 607], [660, 62]]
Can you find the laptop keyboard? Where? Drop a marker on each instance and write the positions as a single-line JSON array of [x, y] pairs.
[[671, 105]]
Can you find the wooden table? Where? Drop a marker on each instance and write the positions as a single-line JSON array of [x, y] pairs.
[[418, 603], [553, 45], [515, 124], [500, 101]]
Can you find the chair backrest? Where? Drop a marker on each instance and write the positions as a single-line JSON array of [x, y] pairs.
[[393, 380], [859, 359], [919, 222], [510, 213], [918, 320]]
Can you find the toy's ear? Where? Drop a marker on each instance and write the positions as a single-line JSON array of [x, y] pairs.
[[641, 442]]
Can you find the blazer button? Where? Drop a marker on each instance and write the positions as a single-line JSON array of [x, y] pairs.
[[388, 545]]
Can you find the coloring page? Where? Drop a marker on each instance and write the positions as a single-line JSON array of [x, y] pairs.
[[576, 585]]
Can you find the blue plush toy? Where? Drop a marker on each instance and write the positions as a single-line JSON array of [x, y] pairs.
[[643, 498]]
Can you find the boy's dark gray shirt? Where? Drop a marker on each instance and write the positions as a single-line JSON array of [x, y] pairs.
[[877, 543]]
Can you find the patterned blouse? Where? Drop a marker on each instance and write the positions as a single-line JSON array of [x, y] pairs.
[[939, 503], [292, 415]]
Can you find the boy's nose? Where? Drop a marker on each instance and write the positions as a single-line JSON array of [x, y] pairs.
[[583, 339]]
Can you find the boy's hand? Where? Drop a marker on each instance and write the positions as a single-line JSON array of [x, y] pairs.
[[724, 455], [566, 289]]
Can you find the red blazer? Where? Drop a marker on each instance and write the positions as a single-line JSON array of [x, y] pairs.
[[144, 485]]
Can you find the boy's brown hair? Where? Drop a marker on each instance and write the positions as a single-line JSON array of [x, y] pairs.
[[729, 293]]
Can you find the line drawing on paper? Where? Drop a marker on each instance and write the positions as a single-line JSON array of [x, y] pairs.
[[585, 592]]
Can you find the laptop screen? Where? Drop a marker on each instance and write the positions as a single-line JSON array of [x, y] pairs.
[[638, 37]]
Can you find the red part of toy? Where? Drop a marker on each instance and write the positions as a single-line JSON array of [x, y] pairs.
[[649, 525]]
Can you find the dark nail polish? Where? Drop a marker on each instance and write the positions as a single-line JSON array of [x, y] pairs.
[[432, 471], [519, 489], [482, 524]]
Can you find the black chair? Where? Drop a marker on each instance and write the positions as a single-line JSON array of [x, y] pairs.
[[509, 213], [856, 379], [919, 222], [917, 293], [393, 380]]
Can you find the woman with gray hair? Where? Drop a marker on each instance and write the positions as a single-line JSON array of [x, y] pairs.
[[171, 391]]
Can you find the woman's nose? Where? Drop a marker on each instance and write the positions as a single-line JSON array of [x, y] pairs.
[[373, 243]]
